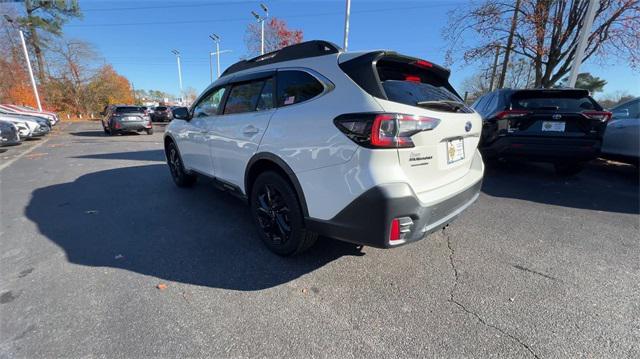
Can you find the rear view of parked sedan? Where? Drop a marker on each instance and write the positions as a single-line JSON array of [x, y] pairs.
[[119, 119], [560, 126], [9, 134], [622, 137]]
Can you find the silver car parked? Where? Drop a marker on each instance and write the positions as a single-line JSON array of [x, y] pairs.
[[621, 140]]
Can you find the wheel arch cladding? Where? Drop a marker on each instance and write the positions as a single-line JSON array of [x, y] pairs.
[[261, 162]]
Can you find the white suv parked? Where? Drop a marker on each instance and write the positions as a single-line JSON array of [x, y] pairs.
[[374, 148]]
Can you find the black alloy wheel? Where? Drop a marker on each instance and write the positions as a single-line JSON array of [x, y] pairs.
[[278, 216], [178, 173]]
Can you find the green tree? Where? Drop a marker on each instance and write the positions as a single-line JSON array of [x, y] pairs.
[[588, 82], [47, 17]]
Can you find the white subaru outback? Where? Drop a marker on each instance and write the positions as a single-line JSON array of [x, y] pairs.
[[374, 148]]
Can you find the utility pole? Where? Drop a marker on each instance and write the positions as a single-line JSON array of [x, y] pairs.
[[507, 50], [177, 53], [494, 69], [582, 42], [347, 12], [33, 80], [261, 19]]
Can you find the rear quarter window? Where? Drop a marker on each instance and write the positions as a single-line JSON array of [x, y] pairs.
[[296, 86]]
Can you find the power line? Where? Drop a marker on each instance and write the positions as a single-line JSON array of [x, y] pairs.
[[206, 4], [243, 19]]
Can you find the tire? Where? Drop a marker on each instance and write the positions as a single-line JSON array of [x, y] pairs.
[[277, 214], [113, 132], [149, 131], [568, 169], [180, 176]]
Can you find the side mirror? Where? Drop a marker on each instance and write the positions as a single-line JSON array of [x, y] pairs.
[[624, 113], [181, 113]]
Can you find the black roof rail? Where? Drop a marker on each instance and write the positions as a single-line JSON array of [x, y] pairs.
[[298, 51]]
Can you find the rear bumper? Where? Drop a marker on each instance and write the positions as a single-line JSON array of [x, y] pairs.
[[543, 148], [367, 220], [133, 126]]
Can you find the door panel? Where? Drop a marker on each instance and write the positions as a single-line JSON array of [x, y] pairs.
[[233, 140], [194, 146]]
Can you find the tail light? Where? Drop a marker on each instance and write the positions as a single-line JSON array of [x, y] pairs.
[[423, 64], [383, 130], [400, 228], [511, 114], [117, 125], [603, 116]]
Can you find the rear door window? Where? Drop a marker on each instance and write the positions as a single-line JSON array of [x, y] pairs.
[[296, 86]]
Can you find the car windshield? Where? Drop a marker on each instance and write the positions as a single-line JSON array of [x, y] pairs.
[[129, 109], [553, 101]]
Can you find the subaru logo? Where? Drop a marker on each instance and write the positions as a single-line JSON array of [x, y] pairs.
[[467, 126], [556, 116]]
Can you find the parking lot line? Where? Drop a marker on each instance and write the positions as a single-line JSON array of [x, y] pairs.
[[11, 161]]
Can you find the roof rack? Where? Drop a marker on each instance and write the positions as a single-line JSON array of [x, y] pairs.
[[298, 51]]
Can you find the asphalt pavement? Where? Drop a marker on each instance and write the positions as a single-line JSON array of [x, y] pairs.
[[103, 256]]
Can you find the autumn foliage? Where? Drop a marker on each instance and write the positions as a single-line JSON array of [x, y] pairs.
[[276, 36]]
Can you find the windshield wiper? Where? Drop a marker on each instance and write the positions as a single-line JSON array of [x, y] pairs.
[[442, 104]]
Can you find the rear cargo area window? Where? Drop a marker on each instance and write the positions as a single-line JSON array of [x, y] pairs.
[[129, 109], [409, 84], [552, 101]]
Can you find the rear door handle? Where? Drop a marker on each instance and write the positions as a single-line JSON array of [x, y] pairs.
[[250, 130]]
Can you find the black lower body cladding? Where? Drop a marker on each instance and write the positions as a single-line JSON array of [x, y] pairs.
[[367, 219], [545, 149]]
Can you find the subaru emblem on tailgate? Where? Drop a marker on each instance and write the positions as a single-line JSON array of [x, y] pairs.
[[467, 126], [556, 116]]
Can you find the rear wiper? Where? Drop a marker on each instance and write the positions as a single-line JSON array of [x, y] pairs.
[[443, 104]]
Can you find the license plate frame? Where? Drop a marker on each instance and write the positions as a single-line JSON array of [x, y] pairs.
[[455, 150], [554, 126]]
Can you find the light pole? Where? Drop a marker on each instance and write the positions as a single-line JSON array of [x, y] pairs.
[[346, 25], [215, 39], [26, 56], [261, 19], [582, 42], [177, 53]]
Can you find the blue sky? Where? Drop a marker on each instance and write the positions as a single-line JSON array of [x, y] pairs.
[[137, 36]]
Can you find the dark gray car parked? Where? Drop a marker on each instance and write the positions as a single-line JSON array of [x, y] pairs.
[[118, 119]]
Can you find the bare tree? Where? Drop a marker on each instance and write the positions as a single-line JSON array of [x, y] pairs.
[[545, 33]]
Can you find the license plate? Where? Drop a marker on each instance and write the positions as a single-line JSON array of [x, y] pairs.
[[553, 126], [455, 150]]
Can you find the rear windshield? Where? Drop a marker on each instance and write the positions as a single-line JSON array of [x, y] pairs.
[[409, 84], [554, 101], [129, 109], [161, 108]]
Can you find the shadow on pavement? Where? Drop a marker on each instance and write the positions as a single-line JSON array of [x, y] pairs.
[[135, 218], [102, 134], [602, 186], [148, 155]]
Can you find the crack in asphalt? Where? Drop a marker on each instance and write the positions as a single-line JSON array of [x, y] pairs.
[[453, 300]]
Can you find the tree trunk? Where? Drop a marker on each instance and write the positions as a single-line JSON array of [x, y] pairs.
[[507, 50], [35, 42]]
